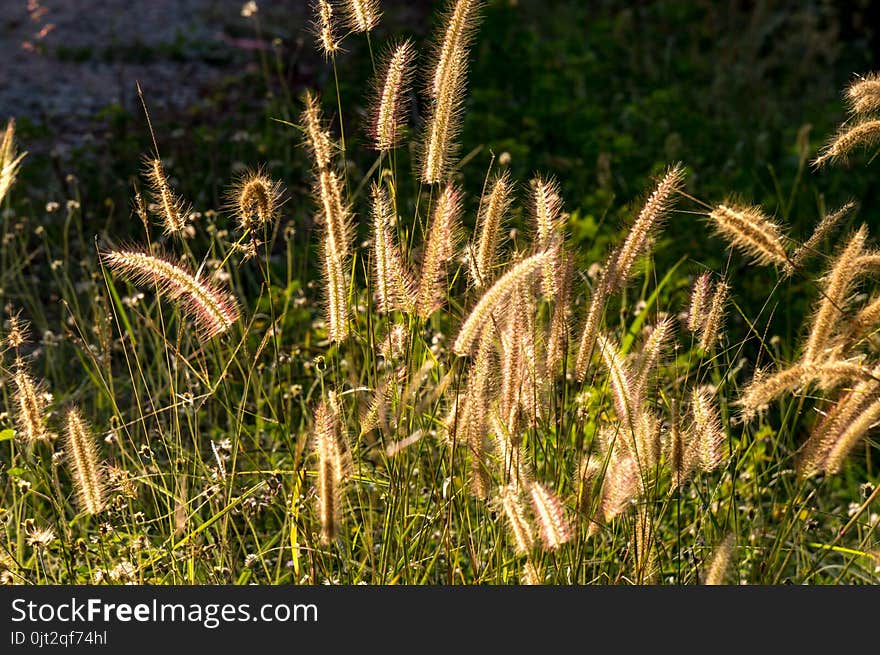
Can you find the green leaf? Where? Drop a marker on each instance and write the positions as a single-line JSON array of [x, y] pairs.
[[15, 472], [7, 434]]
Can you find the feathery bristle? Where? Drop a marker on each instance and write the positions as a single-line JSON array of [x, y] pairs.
[[547, 210], [325, 28], [814, 454], [362, 15], [255, 198], [707, 425], [393, 280], [547, 507], [31, 404], [600, 295], [828, 223], [493, 209], [649, 358], [439, 250], [765, 388], [836, 289], [682, 449], [559, 334], [18, 333], [212, 310], [497, 295], [334, 214], [447, 90], [10, 162], [847, 440], [173, 209], [334, 466], [517, 519], [317, 137], [392, 98], [336, 294], [585, 482], [515, 470], [864, 133], [717, 568], [864, 94], [619, 377], [83, 456], [649, 219], [621, 485], [747, 229], [699, 305], [713, 326]]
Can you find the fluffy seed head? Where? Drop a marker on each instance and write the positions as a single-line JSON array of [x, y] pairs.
[[212, 310], [864, 94], [447, 90], [496, 296], [649, 219], [714, 323], [549, 514], [392, 278], [825, 226], [699, 305], [31, 406], [317, 137], [173, 211], [392, 99], [707, 426], [255, 198], [517, 519], [864, 133], [324, 27], [717, 568], [747, 229], [362, 15], [439, 250], [10, 161], [493, 209], [83, 457]]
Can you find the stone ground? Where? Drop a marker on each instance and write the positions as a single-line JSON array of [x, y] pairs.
[[63, 61]]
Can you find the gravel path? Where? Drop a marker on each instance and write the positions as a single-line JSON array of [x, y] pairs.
[[62, 61]]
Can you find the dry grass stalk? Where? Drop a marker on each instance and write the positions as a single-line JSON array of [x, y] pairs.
[[747, 229], [836, 290], [493, 209], [718, 567], [173, 209], [547, 508], [447, 90], [83, 456], [392, 279], [31, 406], [864, 133], [482, 315], [647, 222], [439, 250], [213, 311], [392, 98], [362, 15]]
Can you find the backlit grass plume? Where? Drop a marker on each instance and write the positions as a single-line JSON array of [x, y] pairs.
[[318, 138], [332, 470], [864, 94], [864, 133], [325, 27], [439, 249], [212, 309], [10, 160], [493, 209], [747, 229], [392, 280], [481, 316], [172, 209], [30, 401], [392, 98], [362, 15], [447, 89], [82, 453], [255, 199]]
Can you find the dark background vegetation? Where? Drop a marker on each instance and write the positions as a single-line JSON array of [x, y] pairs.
[[602, 95]]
